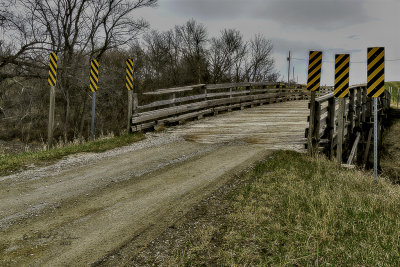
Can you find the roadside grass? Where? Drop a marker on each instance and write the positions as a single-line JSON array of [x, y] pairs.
[[298, 211], [391, 147], [14, 162]]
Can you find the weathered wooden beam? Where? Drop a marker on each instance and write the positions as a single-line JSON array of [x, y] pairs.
[[174, 90], [340, 131], [353, 149], [331, 124], [366, 152]]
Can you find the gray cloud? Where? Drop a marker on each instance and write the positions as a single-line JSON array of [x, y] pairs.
[[210, 9], [318, 14]]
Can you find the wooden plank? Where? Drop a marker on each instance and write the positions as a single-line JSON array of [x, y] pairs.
[[366, 152], [353, 149], [165, 112], [185, 116], [174, 90], [170, 101], [324, 98], [226, 85]]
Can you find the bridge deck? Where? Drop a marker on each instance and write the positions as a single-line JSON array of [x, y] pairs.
[[275, 126]]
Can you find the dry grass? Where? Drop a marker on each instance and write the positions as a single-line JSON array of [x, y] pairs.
[[391, 154], [298, 211], [14, 162]]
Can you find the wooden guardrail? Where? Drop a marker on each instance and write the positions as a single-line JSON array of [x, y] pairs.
[[195, 101], [358, 113]]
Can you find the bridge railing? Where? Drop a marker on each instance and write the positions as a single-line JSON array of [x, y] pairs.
[[183, 103], [358, 112]]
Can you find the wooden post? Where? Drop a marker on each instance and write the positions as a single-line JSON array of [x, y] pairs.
[[358, 108], [351, 112], [354, 149], [331, 125], [366, 152], [130, 107], [135, 104], [93, 115], [172, 97], [340, 131], [317, 124], [364, 104], [50, 129], [311, 125]]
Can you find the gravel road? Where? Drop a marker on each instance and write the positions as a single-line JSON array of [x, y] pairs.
[[90, 206]]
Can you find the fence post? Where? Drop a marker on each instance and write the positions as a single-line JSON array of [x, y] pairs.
[[135, 104], [358, 107], [311, 125], [340, 131], [364, 104], [316, 126], [50, 129], [172, 97], [93, 115], [351, 112], [130, 107], [331, 125]]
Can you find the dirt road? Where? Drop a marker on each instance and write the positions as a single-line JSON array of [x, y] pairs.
[[91, 206]]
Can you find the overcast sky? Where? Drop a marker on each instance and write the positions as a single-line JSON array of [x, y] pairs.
[[333, 26]]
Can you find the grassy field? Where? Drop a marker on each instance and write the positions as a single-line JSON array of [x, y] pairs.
[[13, 162], [297, 211]]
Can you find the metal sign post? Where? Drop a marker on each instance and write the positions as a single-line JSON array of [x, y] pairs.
[[93, 115], [375, 88], [376, 139], [52, 82], [129, 86], [94, 79], [342, 89], [313, 85]]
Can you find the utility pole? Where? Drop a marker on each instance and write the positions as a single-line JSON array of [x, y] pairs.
[[293, 74], [288, 72]]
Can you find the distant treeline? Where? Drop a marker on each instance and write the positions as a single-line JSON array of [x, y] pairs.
[[80, 30]]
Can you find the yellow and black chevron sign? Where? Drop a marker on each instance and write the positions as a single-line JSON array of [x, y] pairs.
[[314, 70], [342, 70], [129, 74], [53, 69], [94, 75], [376, 71]]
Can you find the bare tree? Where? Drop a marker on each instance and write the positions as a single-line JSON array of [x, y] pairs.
[[77, 30], [226, 56], [260, 65], [194, 39]]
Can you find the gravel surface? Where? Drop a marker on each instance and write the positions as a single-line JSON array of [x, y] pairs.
[[87, 208]]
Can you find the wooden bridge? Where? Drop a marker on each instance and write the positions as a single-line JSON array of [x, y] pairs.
[[279, 117]]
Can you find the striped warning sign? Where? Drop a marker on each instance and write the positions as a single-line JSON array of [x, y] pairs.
[[53, 69], [376, 71], [129, 74], [342, 69], [314, 70], [94, 75]]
